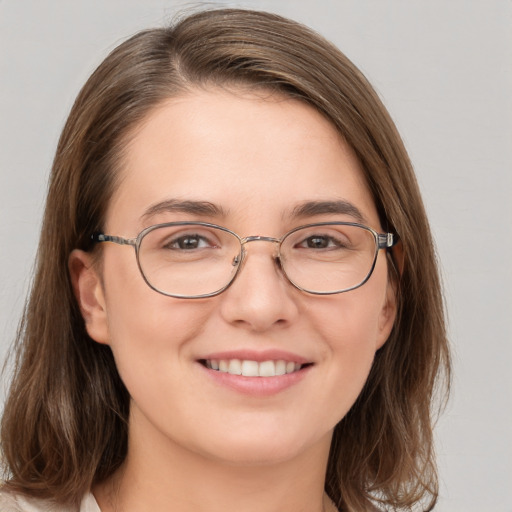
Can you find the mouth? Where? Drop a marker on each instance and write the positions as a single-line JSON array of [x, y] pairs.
[[250, 368]]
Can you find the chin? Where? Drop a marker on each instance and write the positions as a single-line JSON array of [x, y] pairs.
[[261, 446], [258, 455]]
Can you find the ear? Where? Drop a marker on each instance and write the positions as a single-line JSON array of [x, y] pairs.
[[388, 313], [88, 290]]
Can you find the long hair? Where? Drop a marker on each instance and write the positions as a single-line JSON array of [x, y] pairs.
[[65, 421]]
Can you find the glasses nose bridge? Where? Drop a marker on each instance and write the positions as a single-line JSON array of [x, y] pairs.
[[258, 238]]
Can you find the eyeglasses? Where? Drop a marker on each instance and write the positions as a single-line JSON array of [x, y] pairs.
[[192, 260]]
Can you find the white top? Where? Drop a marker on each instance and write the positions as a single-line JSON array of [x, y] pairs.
[[17, 503]]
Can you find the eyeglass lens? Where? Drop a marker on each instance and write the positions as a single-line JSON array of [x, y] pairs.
[[194, 260]]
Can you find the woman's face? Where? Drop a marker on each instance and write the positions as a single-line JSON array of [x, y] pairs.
[[257, 159]]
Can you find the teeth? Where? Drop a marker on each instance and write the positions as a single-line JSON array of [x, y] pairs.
[[280, 367], [235, 367], [267, 369], [249, 368]]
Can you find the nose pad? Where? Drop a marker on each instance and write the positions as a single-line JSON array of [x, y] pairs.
[[279, 265], [239, 260], [260, 296], [236, 265]]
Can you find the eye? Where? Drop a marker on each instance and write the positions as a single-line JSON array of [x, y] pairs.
[[320, 242], [189, 242]]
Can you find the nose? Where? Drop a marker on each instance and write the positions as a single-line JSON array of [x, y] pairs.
[[260, 298]]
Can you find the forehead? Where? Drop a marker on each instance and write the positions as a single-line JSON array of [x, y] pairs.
[[255, 156]]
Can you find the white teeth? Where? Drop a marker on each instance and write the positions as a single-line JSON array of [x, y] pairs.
[[235, 367], [267, 369], [249, 368], [280, 367]]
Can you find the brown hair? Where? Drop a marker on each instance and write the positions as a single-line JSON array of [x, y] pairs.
[[65, 421]]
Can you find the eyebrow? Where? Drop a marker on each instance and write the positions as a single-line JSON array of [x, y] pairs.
[[338, 207], [190, 207], [205, 208]]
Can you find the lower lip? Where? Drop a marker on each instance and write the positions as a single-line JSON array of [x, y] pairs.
[[257, 386]]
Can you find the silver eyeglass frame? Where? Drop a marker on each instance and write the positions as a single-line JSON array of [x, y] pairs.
[[382, 241]]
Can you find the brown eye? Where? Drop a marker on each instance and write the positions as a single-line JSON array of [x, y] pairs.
[[188, 242], [319, 242]]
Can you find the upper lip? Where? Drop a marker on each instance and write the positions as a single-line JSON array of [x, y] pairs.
[[255, 355]]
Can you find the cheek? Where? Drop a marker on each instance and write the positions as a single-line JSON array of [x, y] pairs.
[[348, 326], [350, 342], [151, 348], [148, 332], [350, 321]]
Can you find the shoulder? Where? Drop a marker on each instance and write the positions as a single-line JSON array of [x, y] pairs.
[[10, 502]]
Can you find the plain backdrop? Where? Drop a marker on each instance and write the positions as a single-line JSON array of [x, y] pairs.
[[444, 70]]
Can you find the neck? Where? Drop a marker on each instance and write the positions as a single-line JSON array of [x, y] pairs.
[[158, 476]]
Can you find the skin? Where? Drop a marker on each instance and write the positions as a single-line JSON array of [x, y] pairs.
[[193, 443]]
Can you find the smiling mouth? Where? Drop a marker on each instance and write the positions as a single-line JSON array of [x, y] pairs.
[[248, 368]]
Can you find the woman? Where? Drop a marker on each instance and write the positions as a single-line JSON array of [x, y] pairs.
[[274, 338]]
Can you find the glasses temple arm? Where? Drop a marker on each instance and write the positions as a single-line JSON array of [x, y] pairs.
[[100, 237], [387, 240]]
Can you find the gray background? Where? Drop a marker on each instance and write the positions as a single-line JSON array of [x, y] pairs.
[[443, 68]]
